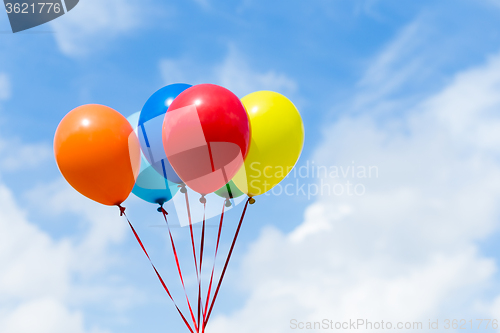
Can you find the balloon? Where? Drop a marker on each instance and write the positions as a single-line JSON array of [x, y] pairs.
[[229, 191], [98, 153], [277, 141], [150, 186], [150, 129], [206, 135]]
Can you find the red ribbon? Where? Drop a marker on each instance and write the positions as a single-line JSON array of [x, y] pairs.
[[192, 235], [194, 248], [179, 268], [122, 213], [213, 268], [202, 245], [225, 264], [202, 310]]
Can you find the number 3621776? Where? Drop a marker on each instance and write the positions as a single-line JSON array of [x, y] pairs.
[[39, 8]]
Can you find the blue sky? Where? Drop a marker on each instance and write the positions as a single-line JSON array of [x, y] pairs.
[[408, 86]]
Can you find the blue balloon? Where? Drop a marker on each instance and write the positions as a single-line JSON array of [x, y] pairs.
[[153, 187], [150, 185], [150, 126]]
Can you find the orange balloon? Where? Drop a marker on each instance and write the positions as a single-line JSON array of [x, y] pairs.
[[98, 153]]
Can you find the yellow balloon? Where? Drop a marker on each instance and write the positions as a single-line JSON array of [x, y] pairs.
[[277, 141]]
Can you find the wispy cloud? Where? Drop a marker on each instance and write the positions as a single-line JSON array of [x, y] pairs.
[[93, 24], [406, 70], [203, 3], [16, 156], [5, 87], [234, 73]]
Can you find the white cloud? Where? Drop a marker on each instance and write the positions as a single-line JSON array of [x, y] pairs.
[[17, 156], [406, 70], [106, 228], [27, 252], [48, 284], [233, 72], [92, 24], [173, 71], [203, 3], [408, 248], [381, 77], [495, 3], [237, 75], [5, 88], [43, 316], [35, 275], [368, 7]]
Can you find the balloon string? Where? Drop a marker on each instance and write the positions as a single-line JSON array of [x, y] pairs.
[[122, 213], [226, 263], [213, 268], [179, 267], [192, 243], [192, 235], [202, 245]]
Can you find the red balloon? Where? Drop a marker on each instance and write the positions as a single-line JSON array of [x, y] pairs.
[[206, 136]]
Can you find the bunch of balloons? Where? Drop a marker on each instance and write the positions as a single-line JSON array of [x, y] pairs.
[[202, 137]]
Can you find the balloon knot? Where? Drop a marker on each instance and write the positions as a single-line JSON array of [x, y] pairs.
[[251, 201], [162, 210], [183, 188], [228, 203], [122, 210], [203, 200]]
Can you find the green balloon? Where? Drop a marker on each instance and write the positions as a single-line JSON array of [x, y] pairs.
[[229, 191]]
